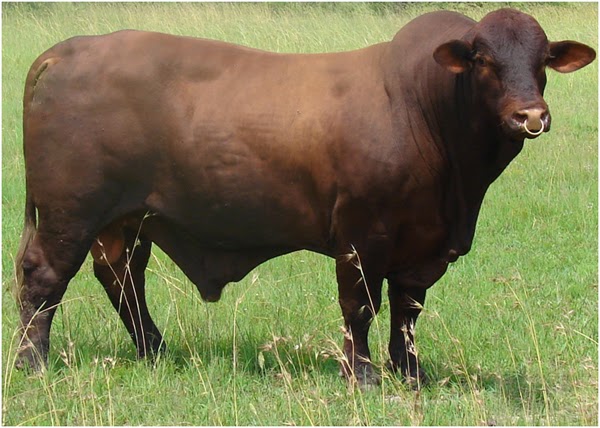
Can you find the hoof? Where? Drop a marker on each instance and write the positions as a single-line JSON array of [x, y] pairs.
[[156, 347], [415, 378], [29, 361], [364, 376], [151, 354]]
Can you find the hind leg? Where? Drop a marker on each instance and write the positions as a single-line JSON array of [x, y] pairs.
[[124, 282], [49, 263]]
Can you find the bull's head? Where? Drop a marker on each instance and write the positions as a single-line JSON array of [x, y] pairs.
[[506, 54]]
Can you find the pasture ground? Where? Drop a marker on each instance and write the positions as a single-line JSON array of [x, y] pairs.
[[509, 336]]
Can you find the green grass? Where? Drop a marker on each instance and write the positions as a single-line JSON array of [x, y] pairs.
[[508, 336]]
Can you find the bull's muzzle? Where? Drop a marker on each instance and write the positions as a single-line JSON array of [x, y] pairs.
[[531, 122]]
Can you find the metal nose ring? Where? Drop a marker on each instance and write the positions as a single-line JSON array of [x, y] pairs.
[[533, 133]]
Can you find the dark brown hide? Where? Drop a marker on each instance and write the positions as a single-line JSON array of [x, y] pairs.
[[226, 156]]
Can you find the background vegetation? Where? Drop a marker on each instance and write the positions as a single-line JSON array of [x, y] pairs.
[[509, 336]]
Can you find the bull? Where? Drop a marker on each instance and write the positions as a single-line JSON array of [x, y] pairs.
[[226, 156]]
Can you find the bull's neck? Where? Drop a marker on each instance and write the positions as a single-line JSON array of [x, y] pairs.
[[473, 151]]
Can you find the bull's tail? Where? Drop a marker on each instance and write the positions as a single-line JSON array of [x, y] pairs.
[[30, 226], [29, 231]]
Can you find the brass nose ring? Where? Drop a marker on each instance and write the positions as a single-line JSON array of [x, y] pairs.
[[533, 133]]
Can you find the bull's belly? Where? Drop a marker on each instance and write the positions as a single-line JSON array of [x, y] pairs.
[[243, 223]]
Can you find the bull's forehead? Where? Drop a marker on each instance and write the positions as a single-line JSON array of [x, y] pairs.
[[508, 33]]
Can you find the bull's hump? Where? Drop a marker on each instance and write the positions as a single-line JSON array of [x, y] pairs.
[[434, 26]]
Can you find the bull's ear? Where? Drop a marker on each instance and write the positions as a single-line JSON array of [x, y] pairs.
[[454, 56], [568, 56]]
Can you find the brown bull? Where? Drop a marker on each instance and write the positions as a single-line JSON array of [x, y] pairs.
[[226, 157]]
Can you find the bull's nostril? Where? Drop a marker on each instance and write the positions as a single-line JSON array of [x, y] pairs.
[[519, 118], [532, 117]]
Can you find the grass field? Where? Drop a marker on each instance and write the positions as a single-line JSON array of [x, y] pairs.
[[509, 336]]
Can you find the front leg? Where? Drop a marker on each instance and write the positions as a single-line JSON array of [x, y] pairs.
[[405, 307], [360, 298]]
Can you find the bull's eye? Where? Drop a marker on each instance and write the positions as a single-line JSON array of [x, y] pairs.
[[481, 62]]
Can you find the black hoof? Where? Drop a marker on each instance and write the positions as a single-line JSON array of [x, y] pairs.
[[155, 347], [416, 378]]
